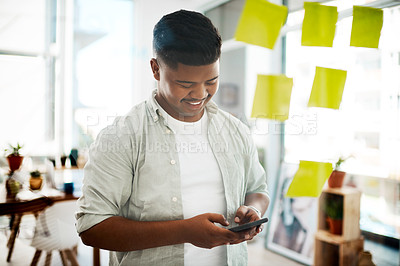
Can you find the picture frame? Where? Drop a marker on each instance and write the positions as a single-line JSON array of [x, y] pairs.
[[293, 222], [228, 94]]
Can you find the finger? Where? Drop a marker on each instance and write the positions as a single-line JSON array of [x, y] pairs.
[[240, 238], [244, 236], [251, 232], [218, 218], [260, 228], [249, 217], [241, 214], [254, 232]]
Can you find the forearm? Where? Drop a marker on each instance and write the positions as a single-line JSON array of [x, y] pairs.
[[257, 200], [121, 234]]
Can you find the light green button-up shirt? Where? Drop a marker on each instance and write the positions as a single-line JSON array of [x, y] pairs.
[[133, 171]]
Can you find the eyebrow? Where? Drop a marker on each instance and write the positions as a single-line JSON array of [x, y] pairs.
[[192, 82]]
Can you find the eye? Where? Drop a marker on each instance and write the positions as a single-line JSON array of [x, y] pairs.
[[185, 86], [211, 83]]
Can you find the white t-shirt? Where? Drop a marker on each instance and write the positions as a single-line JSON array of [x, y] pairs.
[[201, 183]]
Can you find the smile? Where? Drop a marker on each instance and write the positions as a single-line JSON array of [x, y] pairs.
[[195, 103]]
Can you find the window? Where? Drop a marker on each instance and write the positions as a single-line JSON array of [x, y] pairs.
[[66, 70], [103, 66], [367, 126], [27, 70]]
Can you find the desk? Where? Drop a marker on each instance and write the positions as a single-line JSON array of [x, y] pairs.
[[17, 208], [74, 175]]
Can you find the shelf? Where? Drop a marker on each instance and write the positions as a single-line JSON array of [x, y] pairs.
[[351, 211], [343, 249], [344, 253], [343, 191], [330, 238]]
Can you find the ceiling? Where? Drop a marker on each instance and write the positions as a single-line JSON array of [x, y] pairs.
[[203, 5]]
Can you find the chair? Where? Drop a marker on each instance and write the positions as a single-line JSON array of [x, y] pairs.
[[17, 209], [55, 230]]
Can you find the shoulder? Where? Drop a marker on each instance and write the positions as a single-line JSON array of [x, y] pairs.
[[228, 122], [231, 128]]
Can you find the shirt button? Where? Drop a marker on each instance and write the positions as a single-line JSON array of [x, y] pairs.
[[173, 162], [174, 199], [167, 131]]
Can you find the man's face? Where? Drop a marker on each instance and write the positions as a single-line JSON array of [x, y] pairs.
[[183, 92]]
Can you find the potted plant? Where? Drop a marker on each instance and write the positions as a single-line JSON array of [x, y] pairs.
[[63, 159], [12, 187], [337, 176], [333, 208], [36, 180], [14, 158]]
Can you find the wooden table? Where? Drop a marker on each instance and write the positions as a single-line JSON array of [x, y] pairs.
[[17, 208]]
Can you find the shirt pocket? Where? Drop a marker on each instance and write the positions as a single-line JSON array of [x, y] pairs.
[[152, 186]]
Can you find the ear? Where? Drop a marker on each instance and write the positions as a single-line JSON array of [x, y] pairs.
[[155, 68]]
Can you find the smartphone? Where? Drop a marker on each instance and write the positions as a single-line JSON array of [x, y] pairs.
[[248, 225]]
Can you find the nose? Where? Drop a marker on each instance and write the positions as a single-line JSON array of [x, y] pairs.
[[199, 92]]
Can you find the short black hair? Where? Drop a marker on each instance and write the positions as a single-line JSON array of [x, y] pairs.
[[186, 37]]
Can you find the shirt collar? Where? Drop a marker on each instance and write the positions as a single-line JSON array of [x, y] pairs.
[[153, 107]]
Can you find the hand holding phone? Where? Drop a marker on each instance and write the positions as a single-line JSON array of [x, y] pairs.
[[248, 225]]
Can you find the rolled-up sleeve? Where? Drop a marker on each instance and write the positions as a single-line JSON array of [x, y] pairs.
[[256, 175], [257, 178], [107, 182]]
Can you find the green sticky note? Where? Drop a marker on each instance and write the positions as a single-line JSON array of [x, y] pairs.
[[272, 97], [260, 23], [367, 25], [309, 179], [327, 89], [319, 25]]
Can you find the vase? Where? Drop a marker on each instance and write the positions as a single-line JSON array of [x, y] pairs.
[[12, 188], [14, 162], [335, 225], [35, 183], [336, 179], [63, 160]]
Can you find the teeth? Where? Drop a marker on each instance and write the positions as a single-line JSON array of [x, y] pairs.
[[195, 103]]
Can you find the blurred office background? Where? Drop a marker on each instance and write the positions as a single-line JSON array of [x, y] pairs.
[[69, 67]]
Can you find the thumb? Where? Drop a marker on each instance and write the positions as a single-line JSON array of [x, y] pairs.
[[217, 218], [240, 214]]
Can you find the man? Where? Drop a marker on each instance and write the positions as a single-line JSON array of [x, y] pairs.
[[160, 181]]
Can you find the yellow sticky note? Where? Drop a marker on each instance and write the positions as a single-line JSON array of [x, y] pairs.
[[260, 23], [272, 97], [309, 179], [319, 25], [366, 28], [327, 89]]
